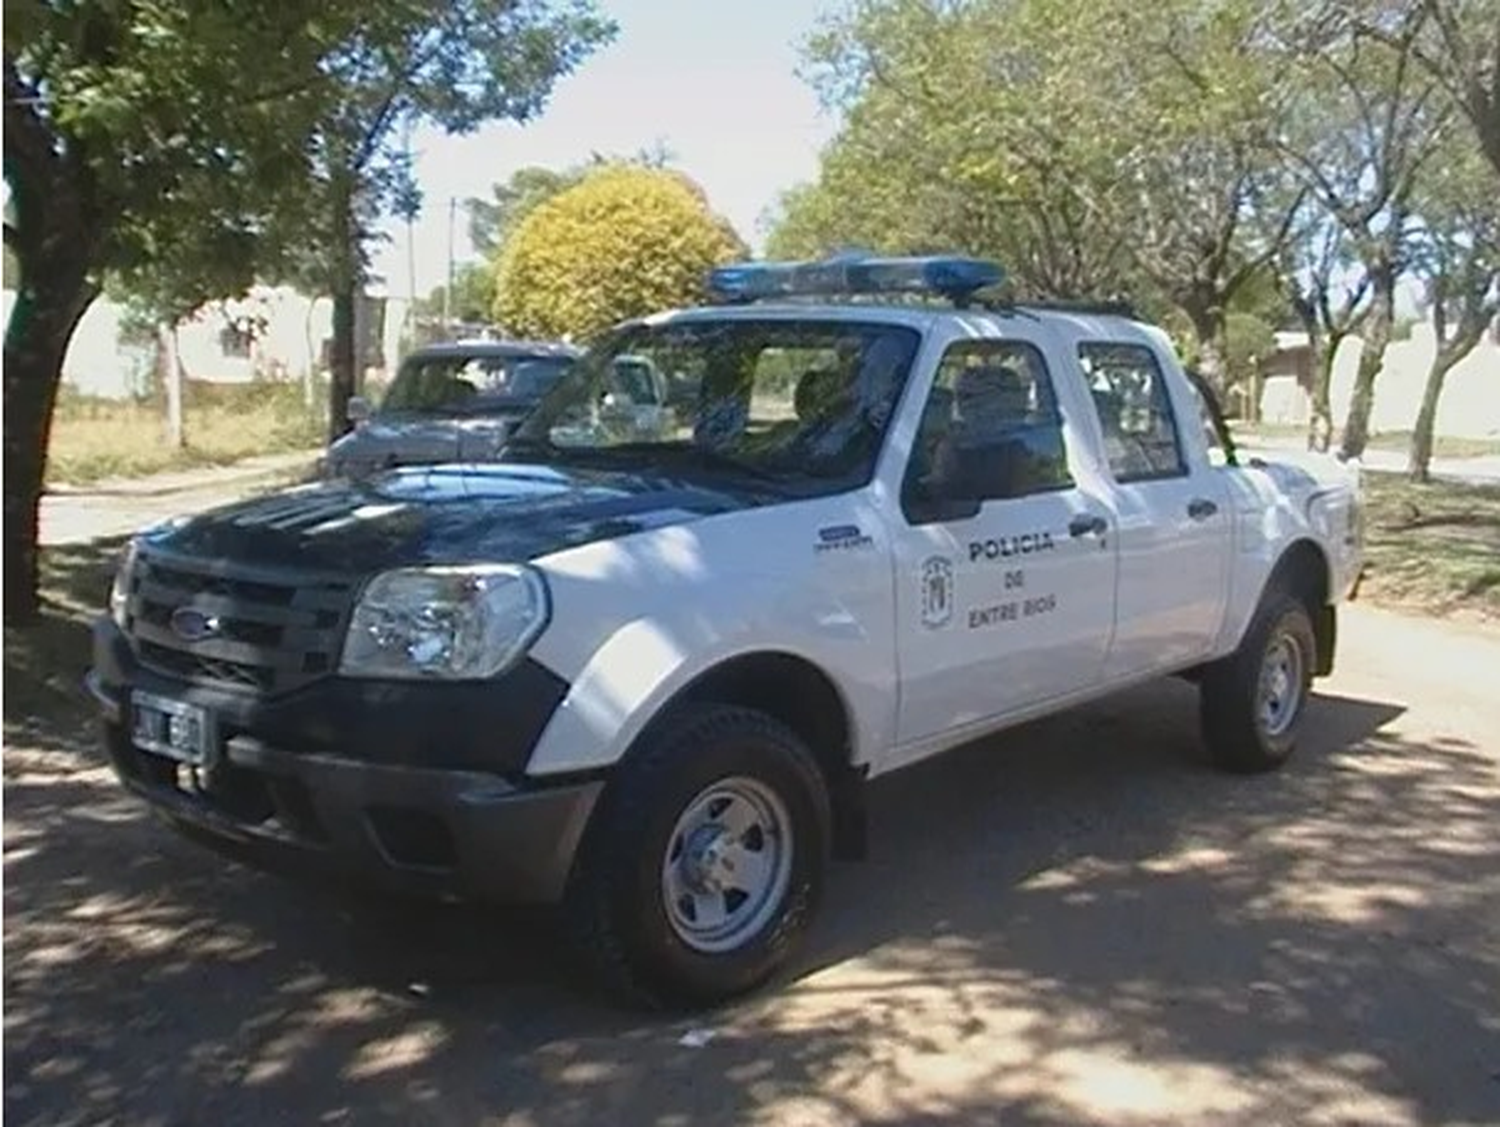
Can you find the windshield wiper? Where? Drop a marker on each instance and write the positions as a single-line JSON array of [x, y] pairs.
[[703, 457], [530, 444]]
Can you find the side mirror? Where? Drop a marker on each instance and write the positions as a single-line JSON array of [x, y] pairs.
[[358, 410]]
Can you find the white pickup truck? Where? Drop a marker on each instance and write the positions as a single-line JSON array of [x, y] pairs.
[[643, 669]]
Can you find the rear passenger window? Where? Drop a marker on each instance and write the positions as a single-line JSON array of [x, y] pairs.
[[1135, 413], [990, 429]]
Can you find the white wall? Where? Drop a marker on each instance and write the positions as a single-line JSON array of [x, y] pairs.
[[1469, 408], [96, 363], [290, 343]]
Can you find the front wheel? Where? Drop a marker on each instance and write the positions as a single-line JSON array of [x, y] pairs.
[[1251, 703], [705, 861]]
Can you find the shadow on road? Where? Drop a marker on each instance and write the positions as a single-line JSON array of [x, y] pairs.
[[44, 663], [1077, 923]]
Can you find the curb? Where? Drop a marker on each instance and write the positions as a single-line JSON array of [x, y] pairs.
[[215, 477]]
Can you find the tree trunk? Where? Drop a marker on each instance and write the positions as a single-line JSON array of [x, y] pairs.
[[1321, 352], [1444, 360], [1377, 336], [341, 382], [41, 325], [346, 287], [1320, 410], [1419, 458], [1209, 328]]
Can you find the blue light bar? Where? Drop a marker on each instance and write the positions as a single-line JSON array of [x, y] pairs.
[[951, 276]]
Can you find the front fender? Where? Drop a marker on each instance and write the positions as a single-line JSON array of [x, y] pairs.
[[632, 679], [638, 619]]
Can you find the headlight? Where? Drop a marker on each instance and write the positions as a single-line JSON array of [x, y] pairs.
[[457, 623], [119, 590]]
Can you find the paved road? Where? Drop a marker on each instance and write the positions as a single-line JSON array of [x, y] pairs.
[[1481, 470], [1078, 924]]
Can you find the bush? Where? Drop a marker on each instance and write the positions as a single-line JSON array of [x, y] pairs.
[[626, 241]]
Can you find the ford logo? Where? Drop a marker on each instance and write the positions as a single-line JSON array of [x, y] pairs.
[[193, 625]]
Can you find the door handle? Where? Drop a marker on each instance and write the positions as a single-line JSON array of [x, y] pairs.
[[1087, 524], [1201, 508]]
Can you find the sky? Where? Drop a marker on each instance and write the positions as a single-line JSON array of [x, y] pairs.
[[711, 80]]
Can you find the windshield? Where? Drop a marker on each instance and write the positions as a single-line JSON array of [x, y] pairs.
[[805, 403], [471, 385]]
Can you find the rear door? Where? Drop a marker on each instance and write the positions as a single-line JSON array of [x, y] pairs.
[[1172, 507]]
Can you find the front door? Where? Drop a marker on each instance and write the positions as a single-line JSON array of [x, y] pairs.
[[1005, 562]]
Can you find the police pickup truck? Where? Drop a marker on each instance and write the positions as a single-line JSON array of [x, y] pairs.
[[643, 669]]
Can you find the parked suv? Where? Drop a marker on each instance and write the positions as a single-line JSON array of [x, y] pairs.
[[449, 403], [644, 667]]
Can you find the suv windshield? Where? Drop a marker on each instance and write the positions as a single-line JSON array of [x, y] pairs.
[[805, 403], [471, 385]]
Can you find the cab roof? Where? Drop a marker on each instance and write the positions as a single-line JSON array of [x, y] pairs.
[[918, 291], [471, 348], [1081, 319]]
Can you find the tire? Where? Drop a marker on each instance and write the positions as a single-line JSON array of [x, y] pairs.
[[642, 900], [1246, 730]]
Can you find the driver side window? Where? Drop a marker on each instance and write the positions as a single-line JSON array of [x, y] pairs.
[[990, 430]]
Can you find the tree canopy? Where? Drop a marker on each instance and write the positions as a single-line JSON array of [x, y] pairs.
[[187, 148], [492, 221], [625, 241], [1179, 154]]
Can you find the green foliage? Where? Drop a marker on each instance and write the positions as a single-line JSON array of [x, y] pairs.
[[473, 296], [1095, 149], [207, 176], [1455, 42], [1456, 248], [454, 63], [624, 242], [493, 221], [168, 161], [1249, 341]]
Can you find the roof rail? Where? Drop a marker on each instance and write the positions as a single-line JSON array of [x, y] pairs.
[[1066, 305]]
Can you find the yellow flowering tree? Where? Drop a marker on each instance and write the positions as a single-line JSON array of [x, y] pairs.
[[624, 242]]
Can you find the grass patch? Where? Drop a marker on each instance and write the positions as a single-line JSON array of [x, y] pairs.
[[1443, 446], [1432, 548], [98, 438]]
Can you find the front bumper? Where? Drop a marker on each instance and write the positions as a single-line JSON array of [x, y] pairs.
[[446, 832]]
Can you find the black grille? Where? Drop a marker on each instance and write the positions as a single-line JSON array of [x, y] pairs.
[[268, 634]]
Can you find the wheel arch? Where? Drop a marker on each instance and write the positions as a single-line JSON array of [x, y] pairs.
[[801, 695], [1305, 571]]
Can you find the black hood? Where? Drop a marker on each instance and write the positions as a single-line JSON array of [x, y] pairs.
[[451, 514]]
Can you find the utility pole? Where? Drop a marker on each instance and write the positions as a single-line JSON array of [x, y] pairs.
[[448, 289], [171, 365], [411, 333]]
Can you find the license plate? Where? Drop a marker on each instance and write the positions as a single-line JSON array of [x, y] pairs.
[[169, 727]]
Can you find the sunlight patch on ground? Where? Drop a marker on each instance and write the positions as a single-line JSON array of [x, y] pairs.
[[1103, 1084], [406, 1049]]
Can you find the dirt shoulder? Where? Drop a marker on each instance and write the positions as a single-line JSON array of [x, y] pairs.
[[1079, 924], [1433, 549]]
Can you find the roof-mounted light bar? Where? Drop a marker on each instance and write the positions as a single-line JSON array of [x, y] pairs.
[[955, 277]]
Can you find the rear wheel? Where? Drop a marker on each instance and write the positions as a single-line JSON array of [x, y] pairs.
[[705, 861], [1251, 703]]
